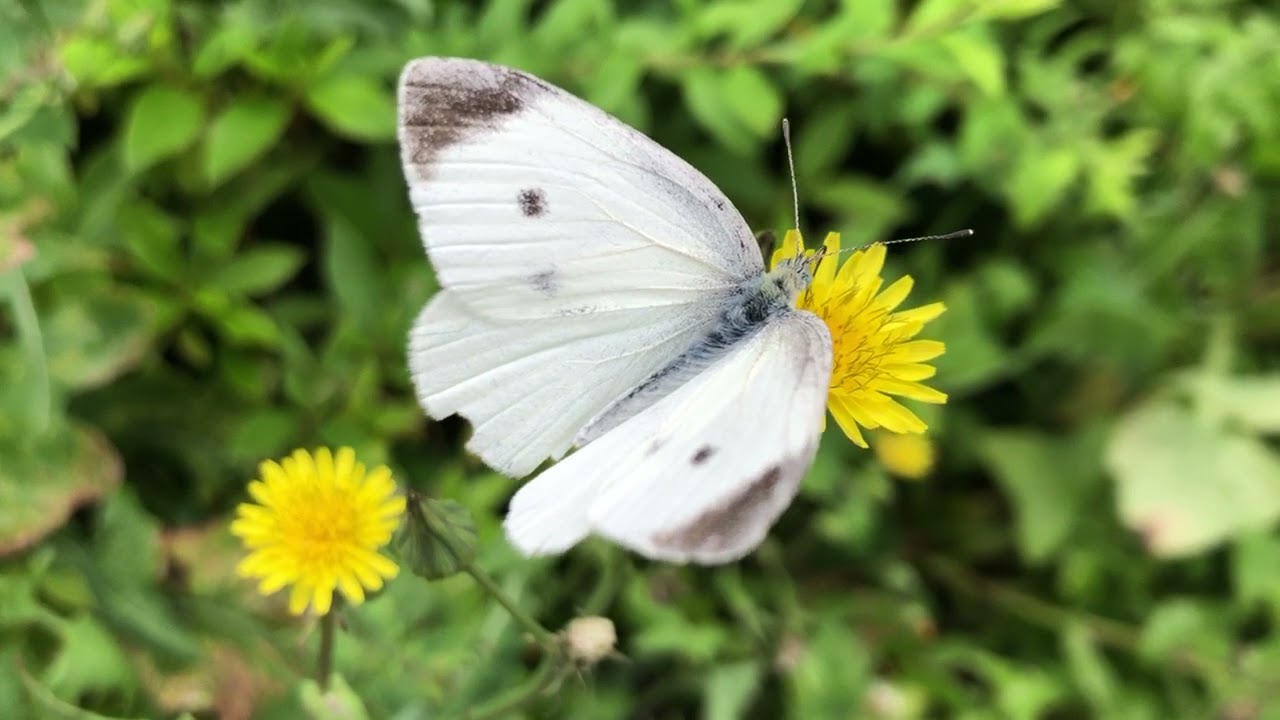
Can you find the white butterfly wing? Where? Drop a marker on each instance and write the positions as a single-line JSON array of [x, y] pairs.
[[529, 386], [702, 474], [578, 257], [533, 203]]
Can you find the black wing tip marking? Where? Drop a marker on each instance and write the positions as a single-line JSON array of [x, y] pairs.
[[444, 101]]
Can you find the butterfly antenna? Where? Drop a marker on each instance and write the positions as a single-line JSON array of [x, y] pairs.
[[791, 165], [949, 236]]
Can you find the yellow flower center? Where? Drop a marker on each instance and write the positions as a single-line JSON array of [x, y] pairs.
[[858, 342]]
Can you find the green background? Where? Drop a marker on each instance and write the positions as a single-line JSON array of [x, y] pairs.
[[207, 258]]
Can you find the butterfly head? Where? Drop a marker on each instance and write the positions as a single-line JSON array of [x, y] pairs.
[[794, 275]]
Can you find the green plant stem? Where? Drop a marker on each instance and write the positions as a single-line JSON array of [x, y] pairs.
[[606, 587], [543, 636], [14, 285], [550, 672], [1035, 611], [328, 629]]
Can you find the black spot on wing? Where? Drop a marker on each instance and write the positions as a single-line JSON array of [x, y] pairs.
[[704, 454], [545, 282], [533, 202], [444, 101]]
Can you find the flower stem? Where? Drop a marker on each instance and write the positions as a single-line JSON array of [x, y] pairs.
[[1035, 611], [328, 629], [550, 672], [543, 636]]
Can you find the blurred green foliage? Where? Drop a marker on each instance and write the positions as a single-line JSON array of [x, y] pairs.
[[207, 258]]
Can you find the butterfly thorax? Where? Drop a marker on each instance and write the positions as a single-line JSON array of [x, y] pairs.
[[790, 278], [743, 314]]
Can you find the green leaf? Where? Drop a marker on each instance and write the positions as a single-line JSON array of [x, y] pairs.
[[822, 143], [437, 539], [153, 237], [88, 659], [1252, 402], [288, 55], [1046, 480], [832, 670], [245, 324], [20, 109], [257, 271], [91, 340], [99, 62], [162, 122], [869, 19], [337, 702], [225, 46], [75, 466], [265, 432], [730, 688], [699, 642], [565, 22], [13, 694], [974, 355], [1185, 625], [122, 564], [750, 96], [1008, 288], [351, 269], [935, 17], [499, 22], [355, 106], [868, 209], [51, 707], [1099, 316], [746, 22], [242, 132], [980, 58], [704, 94], [1185, 486], [1254, 561], [1040, 181], [27, 405], [1012, 9], [992, 135], [1112, 169], [616, 81], [1089, 667]]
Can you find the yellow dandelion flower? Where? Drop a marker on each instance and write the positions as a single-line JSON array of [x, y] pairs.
[[875, 354], [317, 525]]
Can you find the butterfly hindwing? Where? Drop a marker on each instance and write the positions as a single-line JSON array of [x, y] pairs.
[[702, 474]]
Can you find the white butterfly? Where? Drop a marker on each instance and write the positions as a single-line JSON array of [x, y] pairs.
[[600, 293]]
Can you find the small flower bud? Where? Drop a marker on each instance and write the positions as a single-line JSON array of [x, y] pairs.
[[590, 639], [439, 538]]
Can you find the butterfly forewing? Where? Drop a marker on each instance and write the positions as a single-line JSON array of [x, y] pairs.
[[576, 256]]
